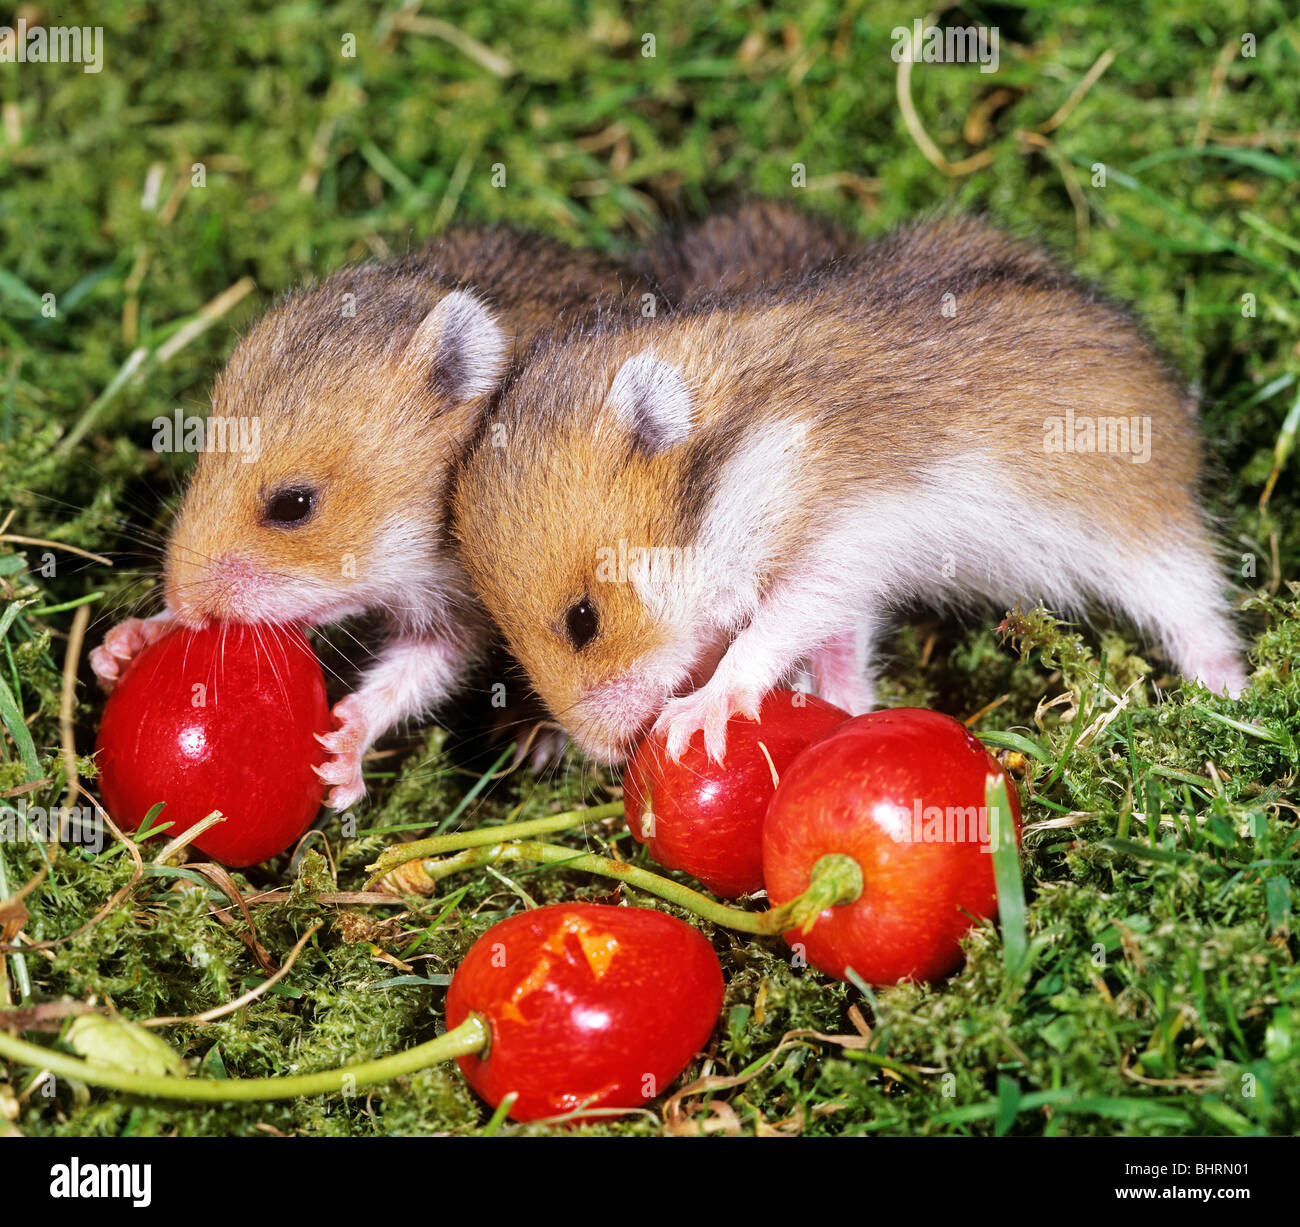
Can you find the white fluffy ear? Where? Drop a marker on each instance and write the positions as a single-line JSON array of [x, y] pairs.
[[464, 348], [651, 398]]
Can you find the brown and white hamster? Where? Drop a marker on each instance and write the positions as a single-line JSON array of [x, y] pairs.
[[362, 389], [668, 517]]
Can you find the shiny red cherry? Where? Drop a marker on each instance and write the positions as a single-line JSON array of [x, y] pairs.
[[587, 1005], [707, 819], [218, 719], [901, 793]]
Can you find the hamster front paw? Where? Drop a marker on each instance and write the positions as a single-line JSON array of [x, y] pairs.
[[707, 709], [410, 676], [346, 745], [123, 644]]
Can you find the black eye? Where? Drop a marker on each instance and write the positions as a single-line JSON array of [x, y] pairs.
[[290, 506], [582, 622]]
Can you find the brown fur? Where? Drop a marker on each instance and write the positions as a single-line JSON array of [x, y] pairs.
[[752, 246], [343, 405]]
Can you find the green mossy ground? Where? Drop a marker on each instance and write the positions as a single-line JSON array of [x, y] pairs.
[[1162, 857]]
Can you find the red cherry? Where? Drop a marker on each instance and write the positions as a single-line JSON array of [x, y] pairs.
[[880, 791], [707, 819], [219, 719], [587, 1004]]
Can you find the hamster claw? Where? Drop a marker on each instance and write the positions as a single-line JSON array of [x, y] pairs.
[[708, 710], [123, 643], [344, 798], [106, 666], [346, 745], [337, 741], [344, 776]]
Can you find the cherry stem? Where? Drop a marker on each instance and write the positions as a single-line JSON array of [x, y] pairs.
[[835, 879], [437, 845], [472, 1036], [831, 883]]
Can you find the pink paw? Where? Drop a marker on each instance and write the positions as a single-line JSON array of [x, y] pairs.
[[346, 745], [123, 643], [707, 709], [1223, 675]]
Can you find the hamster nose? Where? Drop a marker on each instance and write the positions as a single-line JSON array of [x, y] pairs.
[[185, 596], [226, 588]]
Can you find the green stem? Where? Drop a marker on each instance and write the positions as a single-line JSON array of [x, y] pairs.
[[479, 785], [835, 878], [438, 845], [81, 600], [17, 960], [822, 893], [472, 1036]]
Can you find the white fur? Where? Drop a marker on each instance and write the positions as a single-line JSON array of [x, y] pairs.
[[461, 330], [963, 535], [651, 399], [756, 486], [703, 604], [404, 570], [413, 575]]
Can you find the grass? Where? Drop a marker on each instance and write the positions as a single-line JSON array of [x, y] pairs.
[[1158, 992]]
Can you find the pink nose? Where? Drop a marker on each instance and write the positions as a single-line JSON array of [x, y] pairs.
[[623, 711], [230, 587]]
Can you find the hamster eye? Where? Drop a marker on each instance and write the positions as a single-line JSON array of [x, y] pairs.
[[290, 506], [582, 622]]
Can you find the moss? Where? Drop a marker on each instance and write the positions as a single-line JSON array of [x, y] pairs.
[[1161, 844]]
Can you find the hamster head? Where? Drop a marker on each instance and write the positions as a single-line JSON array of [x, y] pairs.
[[319, 491], [578, 514]]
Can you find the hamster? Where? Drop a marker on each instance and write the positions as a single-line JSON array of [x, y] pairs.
[[362, 388], [666, 518], [754, 245]]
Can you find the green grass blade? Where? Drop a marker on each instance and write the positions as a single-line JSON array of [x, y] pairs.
[[12, 718], [1006, 874]]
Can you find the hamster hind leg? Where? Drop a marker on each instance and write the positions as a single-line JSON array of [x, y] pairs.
[[840, 669], [1177, 598]]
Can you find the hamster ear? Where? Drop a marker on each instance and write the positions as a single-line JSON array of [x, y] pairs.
[[651, 398], [462, 345]]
